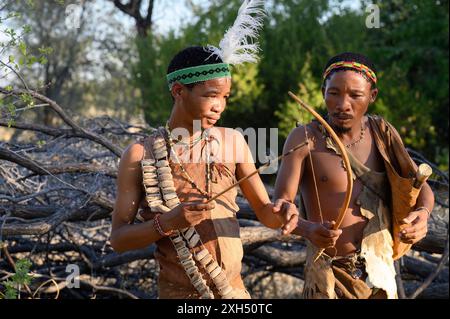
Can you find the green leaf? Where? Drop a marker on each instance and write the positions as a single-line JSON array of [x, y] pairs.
[[11, 108], [27, 99], [45, 50], [26, 28], [13, 14], [22, 269], [31, 60], [43, 60], [41, 143], [30, 3], [11, 59], [11, 33], [11, 291], [23, 48]]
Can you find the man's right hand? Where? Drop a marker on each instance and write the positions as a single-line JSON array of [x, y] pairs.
[[322, 235], [186, 214]]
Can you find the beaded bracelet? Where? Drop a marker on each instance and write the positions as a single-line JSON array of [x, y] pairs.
[[427, 210], [158, 227]]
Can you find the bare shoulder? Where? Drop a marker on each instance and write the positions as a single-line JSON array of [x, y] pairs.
[[227, 134], [134, 151], [297, 135], [133, 154], [238, 134], [302, 133]]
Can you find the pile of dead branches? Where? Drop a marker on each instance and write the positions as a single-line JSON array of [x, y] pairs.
[[57, 189]]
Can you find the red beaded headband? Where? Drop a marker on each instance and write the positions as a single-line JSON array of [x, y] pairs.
[[354, 65]]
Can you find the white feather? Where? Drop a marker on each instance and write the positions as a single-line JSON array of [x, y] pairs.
[[237, 45]]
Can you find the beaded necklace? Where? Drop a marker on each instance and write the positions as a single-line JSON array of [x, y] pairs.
[[361, 136], [179, 141], [205, 136], [330, 143]]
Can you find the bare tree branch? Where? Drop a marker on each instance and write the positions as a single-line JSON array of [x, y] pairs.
[[133, 9], [66, 118], [434, 274], [38, 228], [16, 73], [38, 169]]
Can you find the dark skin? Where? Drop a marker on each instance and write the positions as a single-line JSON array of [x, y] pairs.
[[347, 95], [205, 102]]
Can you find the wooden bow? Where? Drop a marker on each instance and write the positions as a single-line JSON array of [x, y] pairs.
[[343, 151]]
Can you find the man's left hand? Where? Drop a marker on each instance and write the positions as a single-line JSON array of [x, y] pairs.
[[288, 215], [418, 220]]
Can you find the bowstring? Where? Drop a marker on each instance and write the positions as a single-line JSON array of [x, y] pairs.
[[314, 177]]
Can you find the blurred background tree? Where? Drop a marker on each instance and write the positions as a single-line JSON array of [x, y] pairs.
[[410, 50], [86, 66]]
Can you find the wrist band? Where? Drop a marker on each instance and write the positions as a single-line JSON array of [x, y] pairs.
[[423, 207], [139, 217], [158, 227]]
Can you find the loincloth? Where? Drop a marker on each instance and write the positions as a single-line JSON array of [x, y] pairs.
[[340, 277], [350, 275]]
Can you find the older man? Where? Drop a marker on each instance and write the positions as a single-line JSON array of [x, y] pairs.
[[358, 257]]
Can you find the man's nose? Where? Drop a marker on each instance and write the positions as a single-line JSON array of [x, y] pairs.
[[343, 104]]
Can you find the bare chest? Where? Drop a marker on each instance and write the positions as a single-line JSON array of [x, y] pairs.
[[328, 167]]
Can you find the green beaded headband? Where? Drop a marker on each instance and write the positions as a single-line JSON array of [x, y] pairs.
[[199, 73]]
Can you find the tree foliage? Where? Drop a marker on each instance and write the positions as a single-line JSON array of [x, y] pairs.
[[410, 50]]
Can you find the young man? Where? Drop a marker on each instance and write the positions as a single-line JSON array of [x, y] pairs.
[[205, 260], [358, 258]]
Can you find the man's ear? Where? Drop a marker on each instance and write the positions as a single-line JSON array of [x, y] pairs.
[[177, 90], [373, 95]]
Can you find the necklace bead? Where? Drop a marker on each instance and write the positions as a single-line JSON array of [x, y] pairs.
[[178, 141], [206, 192], [361, 136]]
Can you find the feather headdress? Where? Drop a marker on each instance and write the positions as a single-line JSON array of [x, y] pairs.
[[237, 45]]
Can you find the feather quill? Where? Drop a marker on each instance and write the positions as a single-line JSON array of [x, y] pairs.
[[237, 45]]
